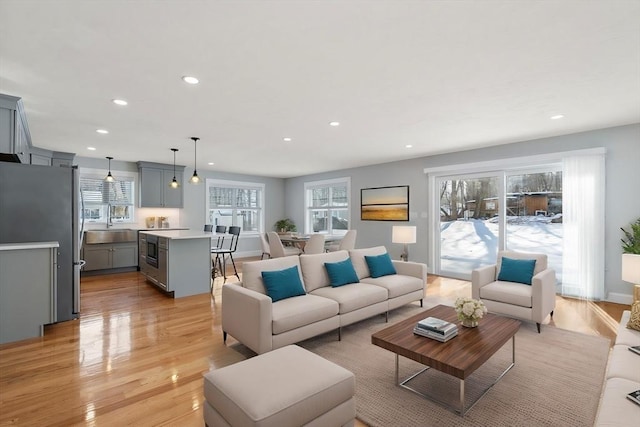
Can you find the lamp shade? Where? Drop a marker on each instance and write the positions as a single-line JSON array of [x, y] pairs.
[[403, 234], [631, 268]]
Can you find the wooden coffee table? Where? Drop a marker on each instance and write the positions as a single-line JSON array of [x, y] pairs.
[[458, 357]]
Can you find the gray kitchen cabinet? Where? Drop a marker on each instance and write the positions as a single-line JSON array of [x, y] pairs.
[[107, 256], [15, 138], [154, 186], [28, 289]]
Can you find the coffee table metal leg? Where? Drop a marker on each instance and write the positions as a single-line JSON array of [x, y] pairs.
[[462, 410]]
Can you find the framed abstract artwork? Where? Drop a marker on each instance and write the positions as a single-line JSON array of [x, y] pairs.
[[385, 203]]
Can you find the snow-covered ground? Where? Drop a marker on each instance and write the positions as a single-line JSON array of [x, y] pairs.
[[466, 245]]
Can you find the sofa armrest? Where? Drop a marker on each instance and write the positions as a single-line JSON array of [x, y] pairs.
[[543, 294], [408, 268], [481, 277], [246, 315]]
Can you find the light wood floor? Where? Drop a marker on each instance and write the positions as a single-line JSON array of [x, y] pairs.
[[136, 356]]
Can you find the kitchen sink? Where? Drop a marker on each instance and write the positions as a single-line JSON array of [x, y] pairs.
[[118, 235]]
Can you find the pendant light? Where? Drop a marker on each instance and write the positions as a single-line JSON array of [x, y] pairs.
[[174, 182], [109, 177], [195, 179]]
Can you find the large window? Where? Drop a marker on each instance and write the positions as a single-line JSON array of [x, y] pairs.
[[107, 201], [236, 203], [327, 205]]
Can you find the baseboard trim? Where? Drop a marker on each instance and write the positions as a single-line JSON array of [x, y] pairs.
[[619, 298]]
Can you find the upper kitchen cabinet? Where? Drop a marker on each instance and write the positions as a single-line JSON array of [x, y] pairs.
[[15, 139], [154, 186]]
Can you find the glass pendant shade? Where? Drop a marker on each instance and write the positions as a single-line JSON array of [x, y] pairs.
[[174, 182], [109, 177], [195, 179]]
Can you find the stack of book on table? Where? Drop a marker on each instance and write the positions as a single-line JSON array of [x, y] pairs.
[[436, 329]]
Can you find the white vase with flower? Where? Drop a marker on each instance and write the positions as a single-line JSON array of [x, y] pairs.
[[469, 311]]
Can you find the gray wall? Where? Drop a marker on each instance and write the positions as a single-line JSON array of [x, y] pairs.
[[622, 181]]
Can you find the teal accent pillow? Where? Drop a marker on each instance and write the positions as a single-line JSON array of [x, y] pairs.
[[380, 265], [341, 273], [517, 270], [283, 284]]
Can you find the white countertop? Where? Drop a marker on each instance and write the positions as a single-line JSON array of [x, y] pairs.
[[30, 245], [179, 234]]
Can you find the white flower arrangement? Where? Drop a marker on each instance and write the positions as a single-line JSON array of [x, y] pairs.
[[470, 309]]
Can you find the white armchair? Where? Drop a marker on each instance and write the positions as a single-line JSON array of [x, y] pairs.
[[528, 302]]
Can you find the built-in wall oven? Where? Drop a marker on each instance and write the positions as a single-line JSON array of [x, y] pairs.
[[152, 250]]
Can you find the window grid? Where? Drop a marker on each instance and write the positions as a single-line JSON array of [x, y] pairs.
[[237, 204]]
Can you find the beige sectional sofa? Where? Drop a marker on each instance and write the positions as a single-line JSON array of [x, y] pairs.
[[623, 377], [250, 316]]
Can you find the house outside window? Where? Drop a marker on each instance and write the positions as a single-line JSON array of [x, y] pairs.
[[104, 201], [236, 203], [327, 206]]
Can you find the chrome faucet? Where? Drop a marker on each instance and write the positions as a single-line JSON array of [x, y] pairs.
[[109, 221]]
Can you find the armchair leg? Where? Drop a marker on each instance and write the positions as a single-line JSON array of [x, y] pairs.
[[386, 317], [538, 325], [224, 337], [340, 333], [552, 314], [421, 302]]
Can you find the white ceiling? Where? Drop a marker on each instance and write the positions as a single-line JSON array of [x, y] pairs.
[[439, 75]]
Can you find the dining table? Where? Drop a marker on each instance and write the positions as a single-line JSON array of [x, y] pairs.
[[300, 240]]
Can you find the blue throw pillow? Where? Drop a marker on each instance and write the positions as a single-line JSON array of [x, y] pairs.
[[517, 270], [283, 284], [341, 273], [380, 265]]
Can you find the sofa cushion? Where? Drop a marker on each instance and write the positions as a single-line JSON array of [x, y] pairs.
[[292, 313], [623, 363], [354, 296], [627, 336], [634, 317], [252, 271], [360, 264], [397, 284], [341, 273], [507, 292], [283, 284], [541, 260], [517, 270], [615, 409], [314, 273], [380, 265]]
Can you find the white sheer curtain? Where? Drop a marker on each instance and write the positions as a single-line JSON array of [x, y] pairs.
[[583, 182]]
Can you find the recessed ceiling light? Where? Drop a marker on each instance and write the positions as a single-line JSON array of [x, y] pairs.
[[211, 163], [102, 131], [191, 80], [556, 117], [91, 148], [119, 102], [286, 139], [334, 123], [408, 146]]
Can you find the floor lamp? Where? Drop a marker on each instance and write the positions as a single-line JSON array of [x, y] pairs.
[[404, 234], [631, 273]]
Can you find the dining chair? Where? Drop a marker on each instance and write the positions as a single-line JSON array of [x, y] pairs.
[[277, 249], [221, 254], [347, 243], [265, 246], [315, 244]]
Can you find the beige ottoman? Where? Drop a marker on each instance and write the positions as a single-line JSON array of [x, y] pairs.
[[289, 386]]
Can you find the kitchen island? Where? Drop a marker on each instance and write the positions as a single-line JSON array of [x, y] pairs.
[[176, 261]]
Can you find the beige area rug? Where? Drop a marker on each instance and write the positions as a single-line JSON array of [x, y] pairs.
[[556, 380]]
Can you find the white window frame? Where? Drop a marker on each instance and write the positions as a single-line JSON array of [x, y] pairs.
[[99, 174], [239, 185], [308, 226]]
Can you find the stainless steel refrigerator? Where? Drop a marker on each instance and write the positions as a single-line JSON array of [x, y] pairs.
[[40, 204]]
